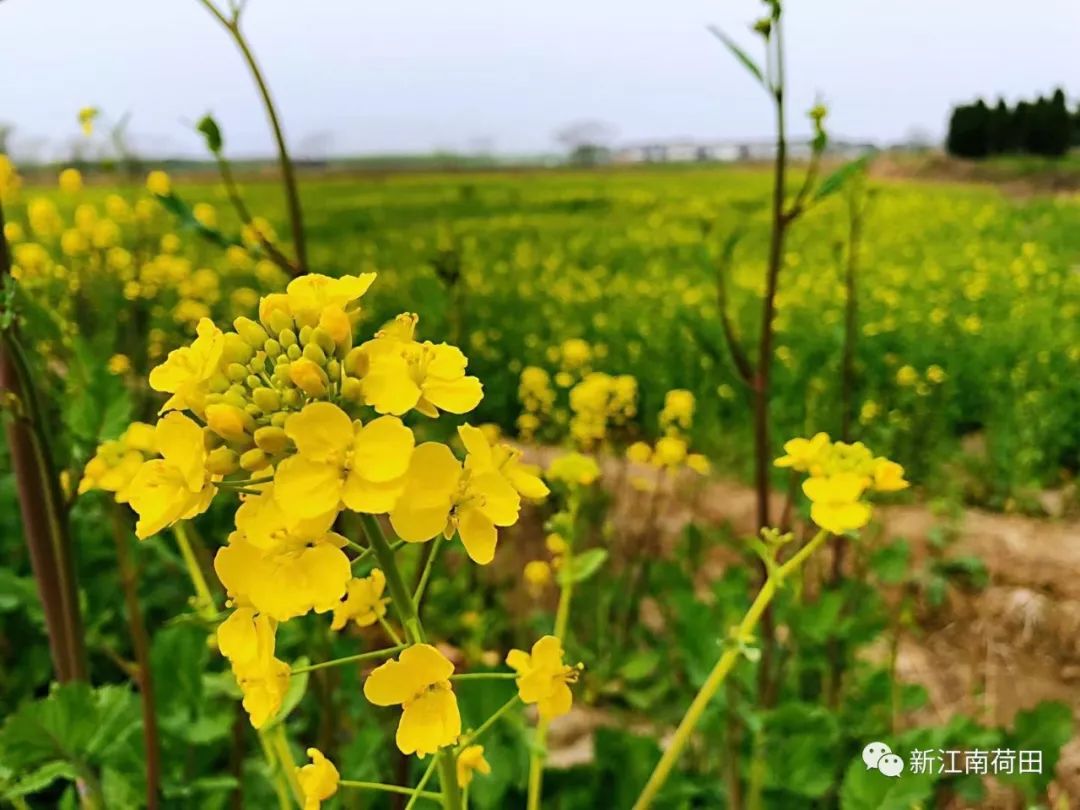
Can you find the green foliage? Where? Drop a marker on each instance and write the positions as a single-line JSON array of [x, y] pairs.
[[1043, 127]]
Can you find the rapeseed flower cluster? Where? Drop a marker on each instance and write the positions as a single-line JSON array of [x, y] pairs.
[[287, 413], [840, 476]]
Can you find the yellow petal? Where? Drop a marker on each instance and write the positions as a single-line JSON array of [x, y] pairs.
[[429, 723], [454, 396], [321, 431], [388, 386], [478, 535], [477, 446], [306, 487], [382, 449]]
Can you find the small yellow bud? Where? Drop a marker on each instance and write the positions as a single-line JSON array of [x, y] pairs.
[[292, 399], [221, 461], [253, 334], [236, 372], [356, 362], [315, 354], [254, 460], [352, 390], [336, 325], [308, 377], [333, 370], [294, 352], [321, 338], [271, 440], [305, 335], [227, 421], [272, 348], [236, 350]]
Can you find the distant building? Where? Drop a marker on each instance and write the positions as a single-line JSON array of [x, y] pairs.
[[730, 151]]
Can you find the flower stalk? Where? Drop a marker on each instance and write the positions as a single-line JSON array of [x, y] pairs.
[[403, 603], [722, 668]]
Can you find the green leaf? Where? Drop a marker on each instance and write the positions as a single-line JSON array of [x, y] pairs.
[[211, 133], [836, 181], [584, 565], [867, 789], [739, 54], [801, 749], [890, 562], [1045, 728], [641, 665], [74, 723], [40, 779]]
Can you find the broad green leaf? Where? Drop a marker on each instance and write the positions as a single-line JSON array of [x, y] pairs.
[[836, 181], [890, 562], [584, 565], [1045, 728], [802, 746], [739, 54], [641, 665], [40, 778]]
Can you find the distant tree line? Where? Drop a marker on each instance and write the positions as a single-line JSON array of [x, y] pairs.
[[1043, 127]]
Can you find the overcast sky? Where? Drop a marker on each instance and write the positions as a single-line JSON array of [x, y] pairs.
[[355, 76]]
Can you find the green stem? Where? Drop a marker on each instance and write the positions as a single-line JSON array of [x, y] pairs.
[[418, 791], [562, 619], [285, 761], [288, 175], [720, 671], [369, 551], [390, 631], [475, 735], [484, 676], [350, 659], [414, 631], [203, 600], [404, 791], [281, 787], [421, 586]]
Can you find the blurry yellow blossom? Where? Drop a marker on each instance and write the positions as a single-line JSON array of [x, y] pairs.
[[803, 454], [71, 181], [158, 182], [835, 504], [470, 760], [574, 469], [119, 364], [543, 678], [318, 779]]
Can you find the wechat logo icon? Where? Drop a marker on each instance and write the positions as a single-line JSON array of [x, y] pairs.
[[878, 756]]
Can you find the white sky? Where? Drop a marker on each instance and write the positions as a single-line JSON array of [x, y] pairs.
[[356, 76]]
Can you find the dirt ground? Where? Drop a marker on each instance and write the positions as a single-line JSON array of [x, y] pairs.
[[987, 653]]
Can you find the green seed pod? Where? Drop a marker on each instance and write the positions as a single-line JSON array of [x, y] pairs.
[[267, 399], [221, 461], [272, 348], [287, 338], [236, 372], [271, 440], [316, 355], [254, 460], [294, 352], [252, 334]]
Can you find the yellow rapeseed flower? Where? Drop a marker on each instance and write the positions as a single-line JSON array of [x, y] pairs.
[[71, 181], [177, 486], [575, 469], [318, 779], [364, 602], [187, 371], [471, 760], [835, 504], [341, 461], [158, 183], [804, 454], [543, 678], [419, 681]]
